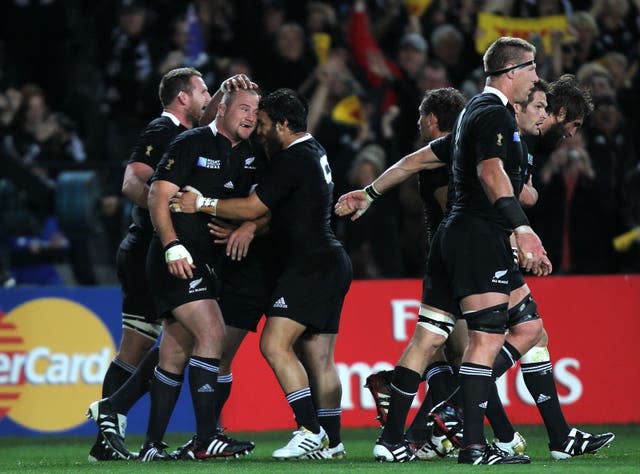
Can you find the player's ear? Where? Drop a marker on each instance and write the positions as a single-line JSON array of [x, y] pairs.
[[562, 114]]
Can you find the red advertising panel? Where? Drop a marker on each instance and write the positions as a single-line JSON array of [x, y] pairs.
[[593, 325]]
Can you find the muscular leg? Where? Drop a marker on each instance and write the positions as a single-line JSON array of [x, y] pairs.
[[277, 346], [326, 389], [232, 341], [427, 338], [484, 312]]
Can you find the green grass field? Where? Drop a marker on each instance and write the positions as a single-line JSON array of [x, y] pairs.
[[69, 454]]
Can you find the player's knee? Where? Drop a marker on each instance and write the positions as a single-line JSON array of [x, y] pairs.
[[436, 323], [524, 311], [536, 355], [492, 320]]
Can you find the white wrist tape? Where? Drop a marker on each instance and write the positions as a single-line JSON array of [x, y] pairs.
[[176, 253], [210, 203]]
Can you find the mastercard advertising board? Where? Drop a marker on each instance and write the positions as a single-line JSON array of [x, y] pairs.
[[56, 345]]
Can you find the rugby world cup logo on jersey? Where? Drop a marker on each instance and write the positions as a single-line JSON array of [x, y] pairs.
[[53, 356], [204, 162]]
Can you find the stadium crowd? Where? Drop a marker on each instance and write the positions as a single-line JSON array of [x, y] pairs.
[[80, 87]]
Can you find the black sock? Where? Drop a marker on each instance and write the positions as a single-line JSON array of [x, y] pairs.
[[165, 390], [475, 382], [117, 374], [441, 380], [203, 380], [329, 419], [304, 412], [500, 424], [502, 427], [137, 385], [505, 359], [404, 387], [539, 380], [222, 393], [417, 432]]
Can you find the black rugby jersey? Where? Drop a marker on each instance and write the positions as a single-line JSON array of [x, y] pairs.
[[529, 145], [485, 129], [149, 148], [298, 190], [430, 180], [205, 160]]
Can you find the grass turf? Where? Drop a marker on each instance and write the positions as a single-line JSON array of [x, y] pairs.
[[69, 454]]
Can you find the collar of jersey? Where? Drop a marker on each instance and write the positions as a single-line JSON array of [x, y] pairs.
[[173, 118], [498, 92], [213, 128], [306, 136]]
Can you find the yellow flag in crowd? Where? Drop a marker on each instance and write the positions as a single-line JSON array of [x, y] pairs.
[[491, 27], [417, 7], [348, 111], [321, 46]]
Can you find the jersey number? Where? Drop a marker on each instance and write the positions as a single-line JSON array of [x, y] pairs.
[[325, 168]]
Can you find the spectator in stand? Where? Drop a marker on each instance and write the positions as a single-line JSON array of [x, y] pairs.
[[571, 203], [447, 46], [291, 60], [374, 254], [393, 79]]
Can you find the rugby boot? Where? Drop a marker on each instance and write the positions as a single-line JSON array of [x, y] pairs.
[[302, 443], [445, 419], [399, 452], [379, 384], [518, 445], [477, 454], [100, 451], [337, 452], [218, 446], [112, 426], [154, 451], [578, 443]]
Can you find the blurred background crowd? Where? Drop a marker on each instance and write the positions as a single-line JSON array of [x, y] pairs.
[[78, 82]]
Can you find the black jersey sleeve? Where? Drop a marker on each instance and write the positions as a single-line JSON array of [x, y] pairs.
[[441, 147], [153, 141], [495, 130], [177, 162]]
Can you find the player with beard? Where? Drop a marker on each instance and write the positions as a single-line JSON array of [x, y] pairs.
[[531, 117], [183, 95], [567, 106], [304, 313]]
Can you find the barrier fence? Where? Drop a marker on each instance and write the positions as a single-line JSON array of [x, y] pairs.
[[56, 344]]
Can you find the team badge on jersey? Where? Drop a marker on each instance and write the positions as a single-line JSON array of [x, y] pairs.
[[149, 150], [499, 139], [516, 136], [529, 159], [208, 163], [248, 163]]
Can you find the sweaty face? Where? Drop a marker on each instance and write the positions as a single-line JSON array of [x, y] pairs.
[[531, 117], [237, 118], [267, 134]]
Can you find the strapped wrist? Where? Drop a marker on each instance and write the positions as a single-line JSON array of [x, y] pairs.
[[173, 243], [510, 209], [211, 205], [371, 193]]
